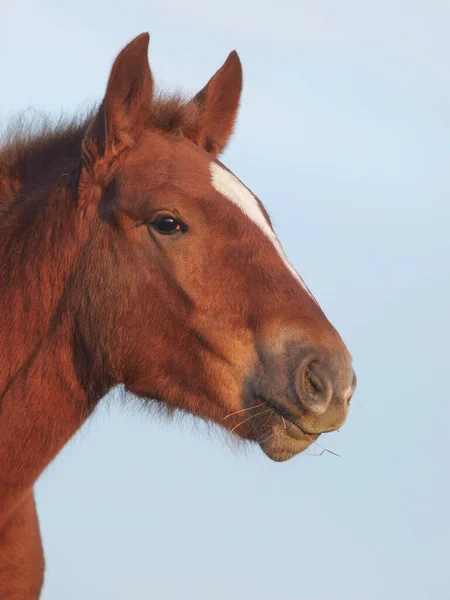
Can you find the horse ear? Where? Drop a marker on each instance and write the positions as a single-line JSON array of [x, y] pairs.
[[218, 103], [122, 114]]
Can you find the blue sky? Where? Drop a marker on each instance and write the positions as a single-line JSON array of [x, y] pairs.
[[344, 133]]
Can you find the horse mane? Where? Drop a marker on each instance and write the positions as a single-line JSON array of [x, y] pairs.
[[33, 147]]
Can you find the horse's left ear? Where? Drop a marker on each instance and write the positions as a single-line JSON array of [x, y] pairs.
[[218, 103], [125, 107]]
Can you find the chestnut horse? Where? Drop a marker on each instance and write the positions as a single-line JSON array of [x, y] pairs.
[[130, 255]]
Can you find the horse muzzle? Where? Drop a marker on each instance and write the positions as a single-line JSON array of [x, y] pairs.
[[306, 391]]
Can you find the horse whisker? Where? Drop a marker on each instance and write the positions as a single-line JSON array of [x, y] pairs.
[[267, 438], [243, 410], [252, 417]]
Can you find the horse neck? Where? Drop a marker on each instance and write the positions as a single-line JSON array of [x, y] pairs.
[[43, 397], [42, 406]]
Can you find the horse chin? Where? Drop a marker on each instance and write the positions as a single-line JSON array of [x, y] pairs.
[[282, 445]]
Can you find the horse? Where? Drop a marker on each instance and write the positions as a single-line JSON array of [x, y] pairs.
[[130, 255]]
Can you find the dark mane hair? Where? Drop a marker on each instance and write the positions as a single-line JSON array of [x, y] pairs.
[[35, 145]]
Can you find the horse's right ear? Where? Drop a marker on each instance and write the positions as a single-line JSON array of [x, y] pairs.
[[125, 107], [218, 104]]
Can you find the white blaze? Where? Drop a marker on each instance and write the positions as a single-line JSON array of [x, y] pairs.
[[230, 187]]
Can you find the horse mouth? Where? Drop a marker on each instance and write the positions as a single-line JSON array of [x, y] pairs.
[[287, 437], [287, 419]]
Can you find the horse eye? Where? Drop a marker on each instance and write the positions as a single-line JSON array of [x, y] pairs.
[[166, 225]]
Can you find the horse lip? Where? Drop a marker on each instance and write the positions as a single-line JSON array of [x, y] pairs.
[[283, 414]]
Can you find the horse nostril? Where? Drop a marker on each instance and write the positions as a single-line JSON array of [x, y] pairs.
[[313, 387], [312, 383], [324, 382]]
